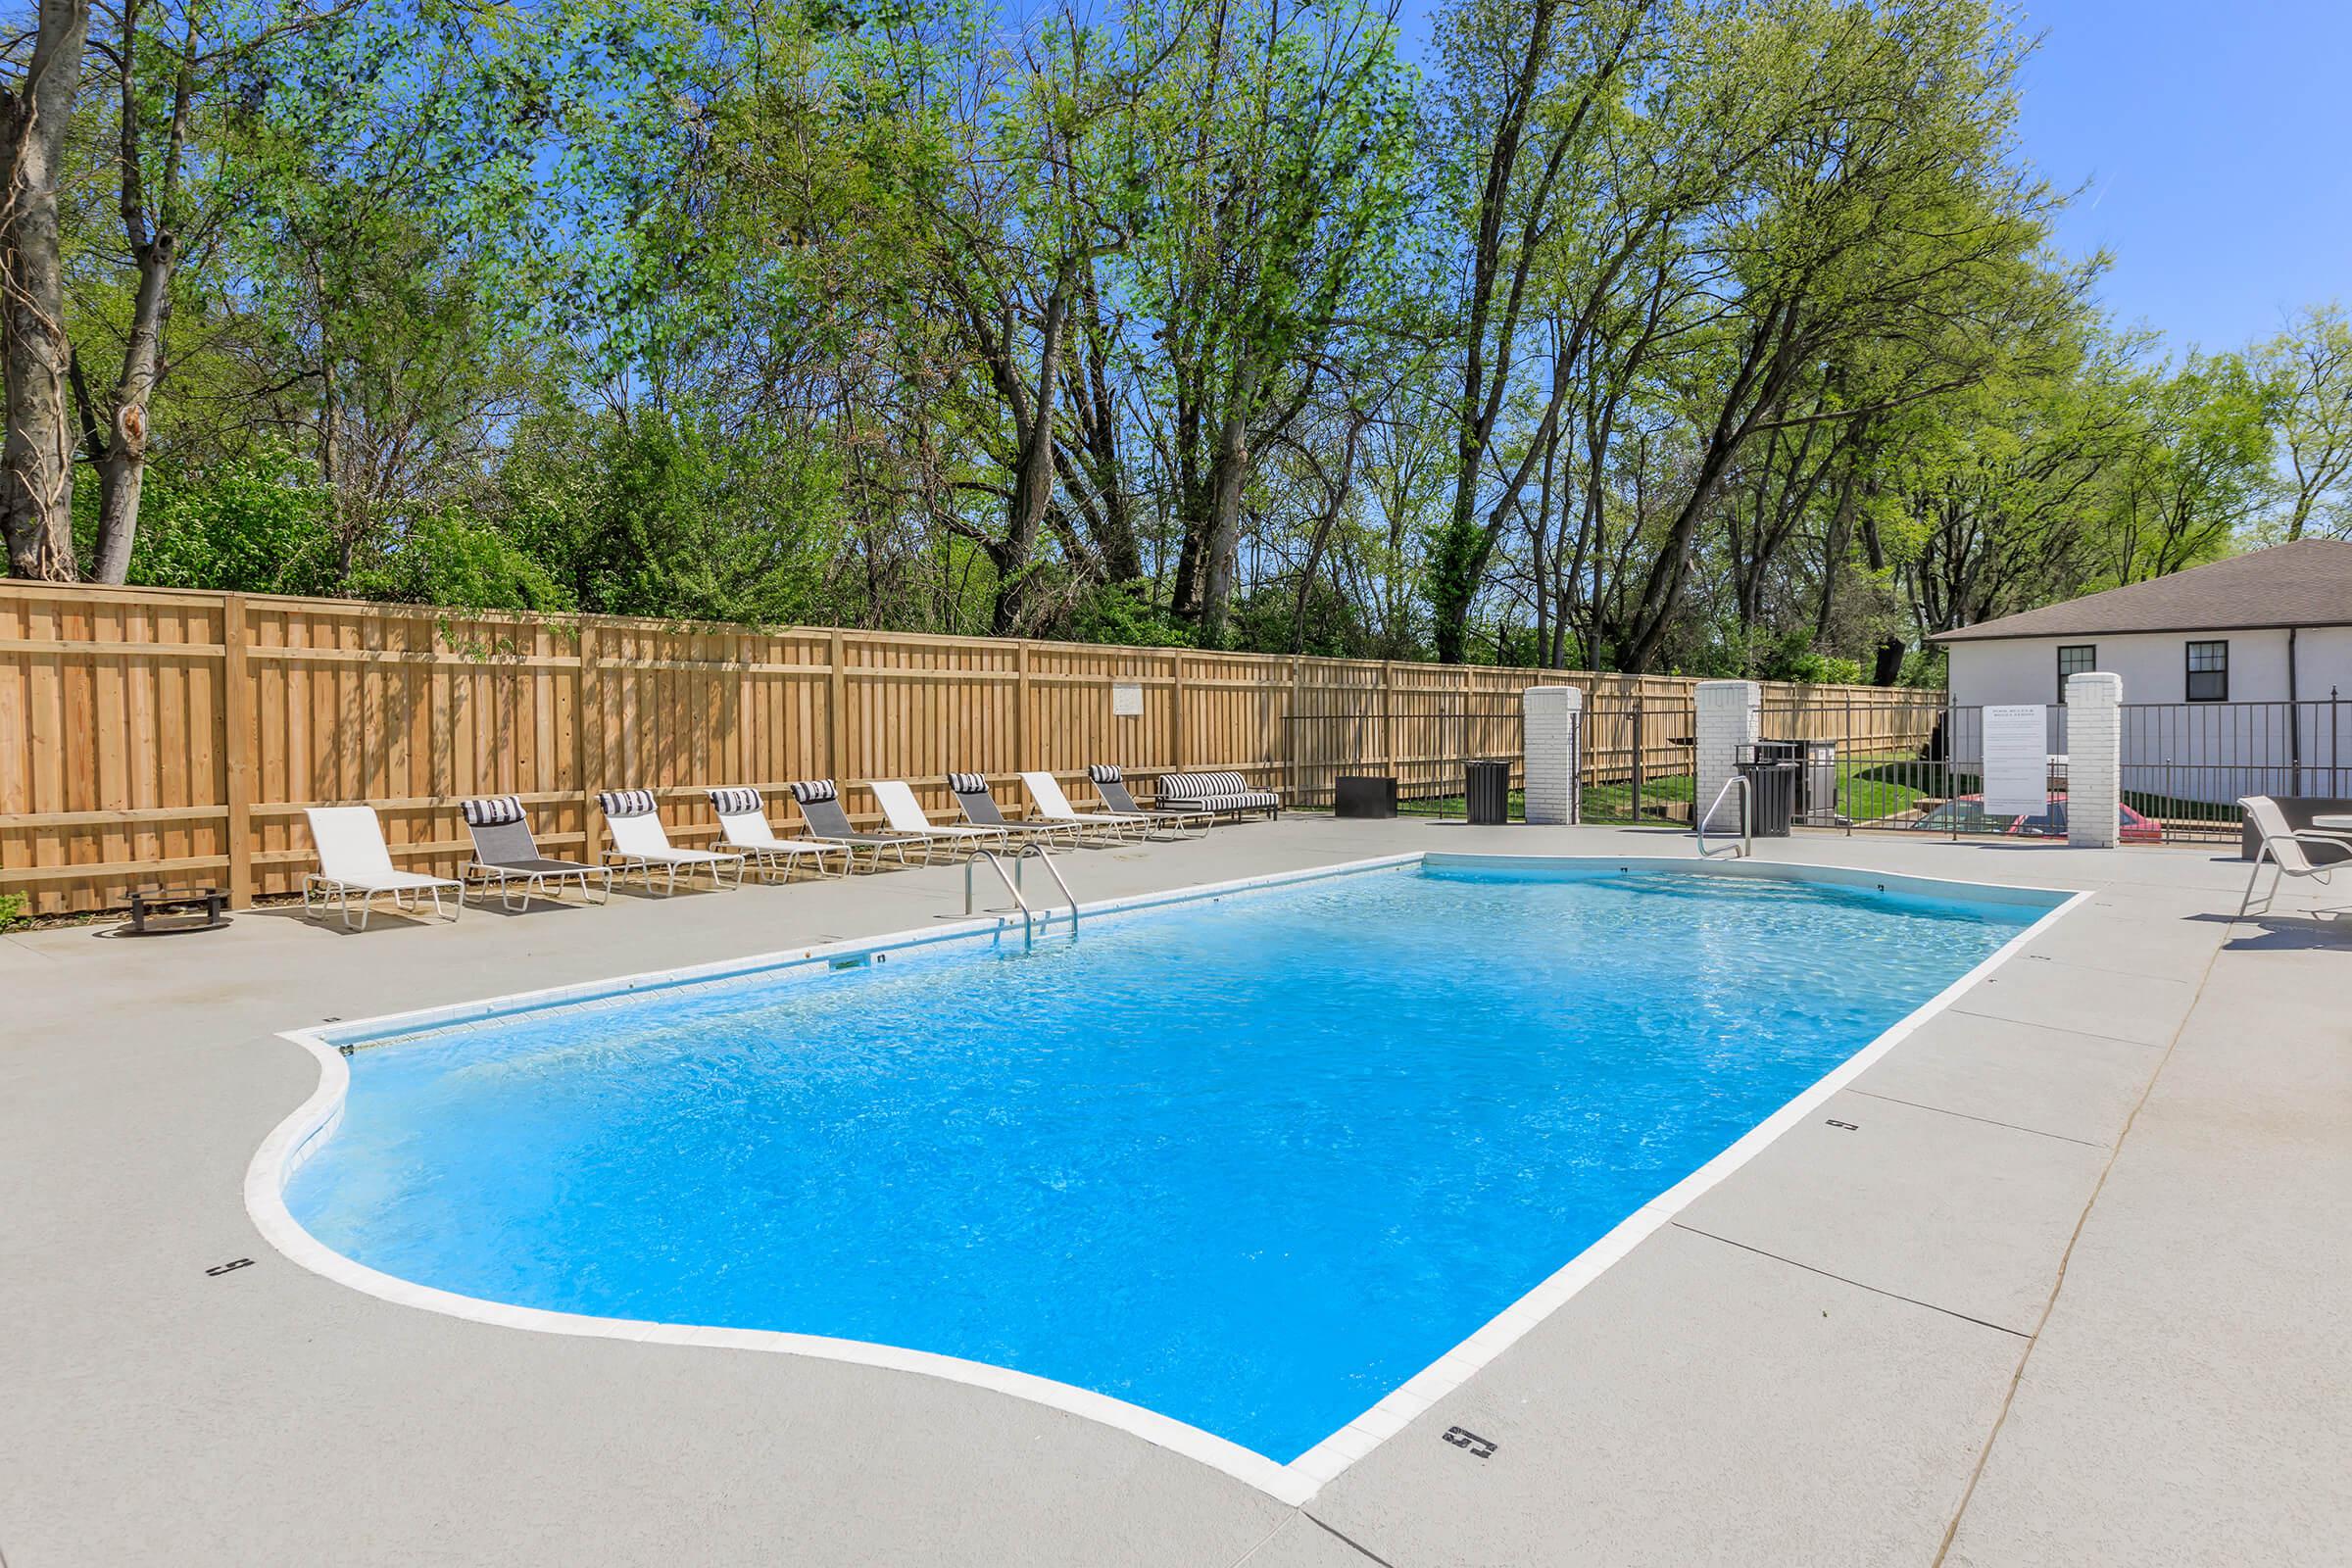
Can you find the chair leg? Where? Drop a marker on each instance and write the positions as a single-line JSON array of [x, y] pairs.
[[2246, 902]]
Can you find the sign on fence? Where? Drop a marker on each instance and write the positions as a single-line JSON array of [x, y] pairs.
[[2017, 762]]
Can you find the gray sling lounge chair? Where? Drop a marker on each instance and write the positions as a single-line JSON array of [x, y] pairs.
[[820, 808], [980, 809], [1111, 785], [507, 857]]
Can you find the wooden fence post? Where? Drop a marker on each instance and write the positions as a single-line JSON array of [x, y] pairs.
[[1176, 714], [237, 748], [1022, 728], [588, 762], [837, 713]]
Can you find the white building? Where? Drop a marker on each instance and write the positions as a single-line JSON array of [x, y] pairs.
[[2237, 676]]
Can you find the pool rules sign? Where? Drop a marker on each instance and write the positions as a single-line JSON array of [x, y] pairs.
[[2017, 762]]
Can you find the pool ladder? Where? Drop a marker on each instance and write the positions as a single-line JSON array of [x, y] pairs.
[[1745, 844], [1030, 919]]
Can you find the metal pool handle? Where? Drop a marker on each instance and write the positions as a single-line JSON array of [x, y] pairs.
[[1747, 844], [1038, 851], [1013, 884]]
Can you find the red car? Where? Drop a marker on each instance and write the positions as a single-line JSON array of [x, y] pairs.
[[1966, 814]]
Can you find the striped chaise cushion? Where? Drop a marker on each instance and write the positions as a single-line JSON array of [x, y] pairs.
[[492, 810], [626, 803], [734, 803], [1215, 792], [814, 788], [1104, 772], [968, 783]]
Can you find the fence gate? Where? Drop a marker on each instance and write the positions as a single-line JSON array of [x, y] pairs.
[[1640, 757]]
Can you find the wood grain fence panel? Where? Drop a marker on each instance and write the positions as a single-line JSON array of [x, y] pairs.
[[140, 740]]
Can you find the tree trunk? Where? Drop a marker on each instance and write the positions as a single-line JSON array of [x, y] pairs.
[[36, 459], [1222, 544]]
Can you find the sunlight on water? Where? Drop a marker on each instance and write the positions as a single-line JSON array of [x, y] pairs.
[[1250, 1164]]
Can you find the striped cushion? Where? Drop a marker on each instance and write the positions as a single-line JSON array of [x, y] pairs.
[[1201, 786], [1103, 772], [626, 803], [735, 802], [491, 811], [814, 788], [968, 783]]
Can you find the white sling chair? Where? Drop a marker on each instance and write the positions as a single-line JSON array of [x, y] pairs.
[[639, 843], [353, 858], [2285, 849], [1054, 807]]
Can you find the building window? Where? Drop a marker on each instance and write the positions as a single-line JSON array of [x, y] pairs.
[[2079, 660], [2208, 673]]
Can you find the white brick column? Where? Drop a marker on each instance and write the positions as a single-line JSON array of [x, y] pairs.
[[1552, 747], [2094, 761], [1730, 715]]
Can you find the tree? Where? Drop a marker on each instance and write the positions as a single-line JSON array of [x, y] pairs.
[[2308, 372], [36, 456]]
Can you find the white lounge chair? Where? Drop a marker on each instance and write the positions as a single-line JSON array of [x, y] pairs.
[[743, 828], [1054, 807], [639, 843], [903, 813], [353, 858], [2287, 849]]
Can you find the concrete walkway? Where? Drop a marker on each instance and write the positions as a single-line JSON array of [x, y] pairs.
[[2070, 1291]]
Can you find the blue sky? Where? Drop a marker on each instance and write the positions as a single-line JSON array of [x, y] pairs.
[[2215, 140]]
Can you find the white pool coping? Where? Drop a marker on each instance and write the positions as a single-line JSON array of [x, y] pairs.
[[303, 1131]]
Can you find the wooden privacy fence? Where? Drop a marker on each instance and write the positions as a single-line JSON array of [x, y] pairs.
[[176, 736]]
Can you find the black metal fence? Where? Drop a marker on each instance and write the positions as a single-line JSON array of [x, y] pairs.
[[2187, 764], [1902, 763], [2184, 765]]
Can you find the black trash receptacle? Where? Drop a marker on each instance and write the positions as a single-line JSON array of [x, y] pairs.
[[1489, 792], [1817, 778], [1772, 789]]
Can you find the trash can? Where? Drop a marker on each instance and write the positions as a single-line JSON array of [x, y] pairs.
[[1488, 793], [1817, 778], [1772, 789]]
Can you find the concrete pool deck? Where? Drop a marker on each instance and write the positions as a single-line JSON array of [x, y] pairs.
[[2067, 1288]]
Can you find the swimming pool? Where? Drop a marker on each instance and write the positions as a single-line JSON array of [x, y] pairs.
[[1252, 1162]]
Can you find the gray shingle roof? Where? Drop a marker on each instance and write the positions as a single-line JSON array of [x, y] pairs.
[[2308, 583]]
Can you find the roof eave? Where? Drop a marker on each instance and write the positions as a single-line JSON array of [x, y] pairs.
[[1982, 634]]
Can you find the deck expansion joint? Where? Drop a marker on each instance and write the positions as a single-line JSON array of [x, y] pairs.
[[1859, 1285], [1986, 1121]]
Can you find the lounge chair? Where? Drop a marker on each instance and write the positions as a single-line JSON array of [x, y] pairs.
[[979, 808], [1111, 785], [1054, 807], [2285, 848], [1218, 794], [904, 814], [820, 808], [743, 828], [506, 855], [353, 858], [639, 843]]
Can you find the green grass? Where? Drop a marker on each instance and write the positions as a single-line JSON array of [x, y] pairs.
[[12, 910], [1869, 789]]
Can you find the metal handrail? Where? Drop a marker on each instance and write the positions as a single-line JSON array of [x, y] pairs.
[[1746, 847], [1028, 917], [1037, 850]]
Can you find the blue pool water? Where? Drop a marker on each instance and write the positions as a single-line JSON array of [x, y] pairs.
[[1250, 1164]]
